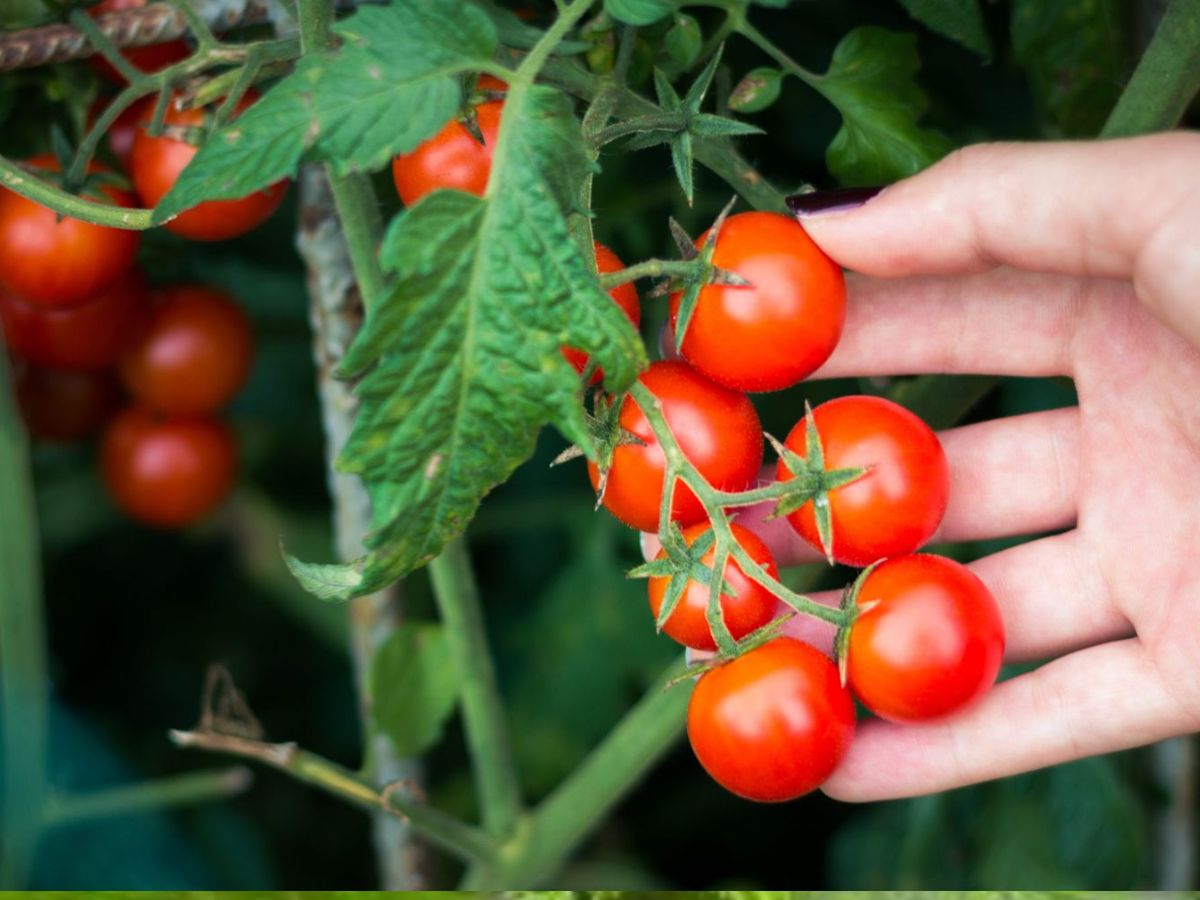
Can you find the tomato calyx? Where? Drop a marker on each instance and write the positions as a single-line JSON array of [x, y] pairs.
[[811, 482], [750, 642], [681, 564], [852, 608], [604, 428]]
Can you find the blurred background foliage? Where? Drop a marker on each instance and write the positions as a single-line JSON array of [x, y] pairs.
[[135, 617]]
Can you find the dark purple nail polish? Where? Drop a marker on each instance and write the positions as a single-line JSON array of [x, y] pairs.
[[820, 203]]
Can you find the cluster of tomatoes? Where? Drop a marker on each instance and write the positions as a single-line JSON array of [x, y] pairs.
[[93, 348]]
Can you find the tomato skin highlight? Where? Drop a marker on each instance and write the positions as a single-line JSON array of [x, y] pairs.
[[748, 608], [625, 296], [717, 429], [194, 353], [898, 504], [156, 163], [61, 406], [770, 335], [773, 724], [932, 643], [52, 262], [452, 158], [167, 472]]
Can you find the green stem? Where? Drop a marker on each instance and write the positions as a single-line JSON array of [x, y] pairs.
[[665, 121], [148, 796], [785, 62], [537, 57], [21, 182], [358, 211], [316, 25], [24, 689], [650, 268], [203, 35], [482, 708], [99, 40], [1166, 78]]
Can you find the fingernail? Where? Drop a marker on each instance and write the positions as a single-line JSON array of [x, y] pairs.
[[823, 203]]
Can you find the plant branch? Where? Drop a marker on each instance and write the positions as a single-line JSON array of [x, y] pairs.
[[147, 796], [767, 46], [567, 17], [650, 268], [21, 182]]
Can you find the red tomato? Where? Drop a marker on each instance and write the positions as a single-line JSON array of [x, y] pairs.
[[748, 608], [194, 354], [896, 506], [167, 471], [490, 83], [773, 724], [780, 329], [60, 262], [626, 297], [930, 644], [64, 406], [717, 429], [452, 158], [157, 161], [149, 59], [122, 131], [90, 336]]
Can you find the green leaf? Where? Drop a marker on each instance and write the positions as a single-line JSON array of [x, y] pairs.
[[639, 12], [757, 90], [414, 687], [336, 581], [464, 353], [870, 81], [684, 41], [391, 85], [959, 20]]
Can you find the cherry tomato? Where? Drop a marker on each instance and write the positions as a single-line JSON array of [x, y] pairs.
[[123, 130], [748, 608], [90, 336], [452, 158], [772, 724], [929, 641], [784, 325], [626, 297], [58, 405], [717, 429], [490, 83], [60, 262], [167, 471], [149, 59], [157, 161], [194, 353], [898, 504]]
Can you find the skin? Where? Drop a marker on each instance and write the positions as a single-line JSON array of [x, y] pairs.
[[1077, 260]]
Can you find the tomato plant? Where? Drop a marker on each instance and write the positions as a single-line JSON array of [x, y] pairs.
[[624, 295], [897, 505], [718, 431], [779, 328], [773, 724], [928, 640], [149, 58], [453, 158], [123, 129], [192, 355]]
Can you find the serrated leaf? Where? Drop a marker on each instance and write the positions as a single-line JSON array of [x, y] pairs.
[[464, 354], [326, 581], [871, 82], [390, 86], [757, 90], [639, 12], [959, 20], [414, 687]]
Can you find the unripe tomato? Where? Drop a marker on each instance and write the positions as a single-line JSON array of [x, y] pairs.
[[626, 297], [149, 59], [898, 504], [749, 607], [157, 162], [87, 337], [771, 334], [929, 641], [452, 158], [60, 262], [717, 429], [164, 471], [194, 353], [62, 406], [772, 724]]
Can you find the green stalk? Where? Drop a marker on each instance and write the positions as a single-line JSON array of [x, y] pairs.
[[21, 182], [24, 689], [1166, 78], [148, 796]]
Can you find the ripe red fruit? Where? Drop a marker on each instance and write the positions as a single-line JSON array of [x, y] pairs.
[[452, 158], [63, 406], [626, 297]]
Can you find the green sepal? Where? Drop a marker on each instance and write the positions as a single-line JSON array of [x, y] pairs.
[[691, 292], [849, 603]]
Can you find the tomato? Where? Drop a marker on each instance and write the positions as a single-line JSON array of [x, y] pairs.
[[626, 297], [452, 158], [157, 161], [59, 262], [771, 334], [717, 429], [772, 724], [490, 83], [90, 336], [167, 471], [123, 130], [748, 608], [58, 405], [194, 353], [929, 641], [149, 59], [898, 504]]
